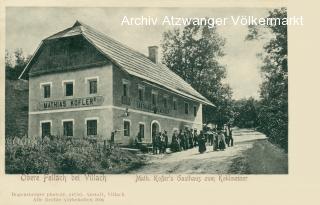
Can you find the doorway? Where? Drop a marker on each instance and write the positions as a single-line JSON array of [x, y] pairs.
[[155, 128]]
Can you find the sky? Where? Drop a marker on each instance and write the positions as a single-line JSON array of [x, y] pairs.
[[26, 27]]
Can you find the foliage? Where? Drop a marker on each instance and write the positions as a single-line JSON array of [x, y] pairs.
[[273, 114], [193, 53], [16, 64], [27, 155], [246, 113]]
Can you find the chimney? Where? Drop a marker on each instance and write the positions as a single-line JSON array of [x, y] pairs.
[[153, 53]]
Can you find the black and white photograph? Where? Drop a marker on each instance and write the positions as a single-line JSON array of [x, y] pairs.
[[146, 90]]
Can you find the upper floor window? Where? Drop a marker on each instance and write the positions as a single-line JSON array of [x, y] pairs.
[[46, 89], [174, 104], [92, 84], [165, 101], [154, 95], [93, 89], [141, 93], [68, 87], [186, 108], [125, 88]]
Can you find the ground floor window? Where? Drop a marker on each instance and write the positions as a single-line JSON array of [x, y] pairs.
[[68, 128], [141, 130], [92, 127], [45, 129], [126, 127]]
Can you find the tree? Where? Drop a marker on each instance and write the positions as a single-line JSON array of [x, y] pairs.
[[13, 70], [273, 115], [193, 53], [246, 113]]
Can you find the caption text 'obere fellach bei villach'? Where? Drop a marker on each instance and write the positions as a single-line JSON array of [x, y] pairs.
[[210, 21]]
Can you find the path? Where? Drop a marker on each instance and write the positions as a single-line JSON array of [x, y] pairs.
[[210, 162]]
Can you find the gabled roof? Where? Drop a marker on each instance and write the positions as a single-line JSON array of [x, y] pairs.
[[131, 61]]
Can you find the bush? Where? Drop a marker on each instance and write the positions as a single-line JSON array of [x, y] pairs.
[[65, 155], [72, 162], [27, 160]]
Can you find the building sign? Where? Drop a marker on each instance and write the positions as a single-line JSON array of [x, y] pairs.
[[71, 103]]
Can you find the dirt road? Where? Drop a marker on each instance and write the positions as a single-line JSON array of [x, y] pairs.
[[210, 162]]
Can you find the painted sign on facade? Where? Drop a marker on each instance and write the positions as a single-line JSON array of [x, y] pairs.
[[71, 103]]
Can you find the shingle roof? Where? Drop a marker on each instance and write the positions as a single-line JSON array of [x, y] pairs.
[[133, 62]]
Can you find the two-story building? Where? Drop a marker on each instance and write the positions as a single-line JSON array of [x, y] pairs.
[[83, 83]]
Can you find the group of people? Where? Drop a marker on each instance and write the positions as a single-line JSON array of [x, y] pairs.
[[220, 138], [186, 139], [159, 142]]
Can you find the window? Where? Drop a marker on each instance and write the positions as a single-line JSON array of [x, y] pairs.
[[186, 108], [154, 97], [195, 110], [92, 127], [69, 88], [141, 130], [93, 86], [141, 93], [174, 104], [126, 127], [165, 101], [45, 129], [125, 90], [68, 128], [46, 91]]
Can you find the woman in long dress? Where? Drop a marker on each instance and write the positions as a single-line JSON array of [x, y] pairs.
[[221, 140], [202, 142]]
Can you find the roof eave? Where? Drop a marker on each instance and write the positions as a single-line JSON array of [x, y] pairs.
[[31, 59]]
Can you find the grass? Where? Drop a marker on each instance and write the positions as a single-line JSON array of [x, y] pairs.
[[263, 158]]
